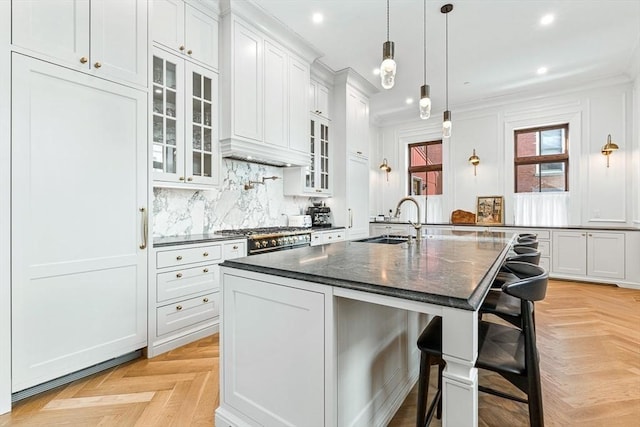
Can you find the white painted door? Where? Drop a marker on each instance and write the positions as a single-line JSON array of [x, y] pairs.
[[58, 29], [78, 182], [168, 117], [202, 163], [298, 103], [167, 23], [275, 94], [119, 40], [605, 255], [357, 197], [201, 37], [570, 252], [247, 117]]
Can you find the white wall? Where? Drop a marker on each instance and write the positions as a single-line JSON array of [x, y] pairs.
[[592, 113], [5, 208]]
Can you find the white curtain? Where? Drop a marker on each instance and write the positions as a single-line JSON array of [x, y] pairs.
[[432, 213], [541, 209]]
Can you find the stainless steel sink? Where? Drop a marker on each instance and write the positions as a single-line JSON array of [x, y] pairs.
[[387, 240]]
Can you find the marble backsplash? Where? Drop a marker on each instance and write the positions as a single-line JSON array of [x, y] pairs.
[[182, 212]]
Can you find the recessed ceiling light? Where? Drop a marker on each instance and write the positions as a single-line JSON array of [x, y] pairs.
[[376, 71], [317, 18], [409, 100], [542, 70], [547, 19]]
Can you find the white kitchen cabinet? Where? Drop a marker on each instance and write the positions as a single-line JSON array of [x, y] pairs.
[[184, 303], [79, 182], [186, 30], [315, 180], [272, 368], [265, 98], [391, 229], [357, 197], [543, 237], [319, 94], [357, 123], [588, 253], [184, 122], [327, 236], [105, 38]]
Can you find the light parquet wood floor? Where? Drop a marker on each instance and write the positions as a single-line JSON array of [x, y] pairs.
[[588, 338]]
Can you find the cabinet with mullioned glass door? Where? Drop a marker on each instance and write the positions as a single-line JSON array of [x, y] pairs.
[[313, 180], [184, 123]]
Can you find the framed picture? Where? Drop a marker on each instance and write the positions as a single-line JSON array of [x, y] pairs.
[[489, 210]]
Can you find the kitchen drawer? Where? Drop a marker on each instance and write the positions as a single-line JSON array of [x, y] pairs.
[[184, 256], [333, 236], [544, 246], [235, 250], [183, 314], [181, 283]]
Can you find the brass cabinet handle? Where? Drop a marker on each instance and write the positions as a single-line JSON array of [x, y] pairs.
[[339, 236], [181, 47], [206, 270], [181, 178], [179, 275], [205, 299], [205, 254], [178, 307], [590, 235], [190, 179], [179, 258], [329, 237], [97, 65], [189, 52], [145, 227], [235, 247], [84, 60], [318, 190]]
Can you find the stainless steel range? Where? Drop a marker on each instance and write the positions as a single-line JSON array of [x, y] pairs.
[[269, 239]]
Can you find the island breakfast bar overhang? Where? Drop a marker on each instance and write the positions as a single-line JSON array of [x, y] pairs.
[[285, 358]]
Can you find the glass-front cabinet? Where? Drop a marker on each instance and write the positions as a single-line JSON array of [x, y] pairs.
[[312, 180], [185, 122]]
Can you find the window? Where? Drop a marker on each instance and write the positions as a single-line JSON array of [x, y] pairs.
[[541, 159], [425, 168]]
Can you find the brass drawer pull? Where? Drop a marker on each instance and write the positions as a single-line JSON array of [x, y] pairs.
[[83, 60], [235, 247], [97, 65], [178, 307], [189, 52], [205, 254], [206, 270], [179, 275], [181, 47], [205, 300], [179, 258]]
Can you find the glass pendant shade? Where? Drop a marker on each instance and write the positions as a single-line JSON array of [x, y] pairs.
[[425, 102], [446, 124], [388, 66]]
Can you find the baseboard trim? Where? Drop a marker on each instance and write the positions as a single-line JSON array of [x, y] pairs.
[[49, 385]]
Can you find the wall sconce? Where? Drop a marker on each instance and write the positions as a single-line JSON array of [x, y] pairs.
[[475, 161], [385, 167], [608, 148]]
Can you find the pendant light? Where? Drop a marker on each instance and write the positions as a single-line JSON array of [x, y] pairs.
[[425, 99], [446, 123], [388, 66]]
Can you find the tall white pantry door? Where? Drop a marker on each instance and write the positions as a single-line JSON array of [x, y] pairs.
[[78, 182]]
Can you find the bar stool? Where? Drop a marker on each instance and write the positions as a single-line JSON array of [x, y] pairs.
[[503, 305], [532, 243], [522, 253], [510, 352], [528, 236]]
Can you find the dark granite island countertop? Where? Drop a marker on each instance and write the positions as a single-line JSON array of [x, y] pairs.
[[448, 268]]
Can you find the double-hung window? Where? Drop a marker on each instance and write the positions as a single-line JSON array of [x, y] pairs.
[[541, 159], [425, 168]]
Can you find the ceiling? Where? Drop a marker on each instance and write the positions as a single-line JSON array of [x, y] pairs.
[[495, 46]]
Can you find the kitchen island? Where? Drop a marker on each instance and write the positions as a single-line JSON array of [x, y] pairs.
[[326, 335]]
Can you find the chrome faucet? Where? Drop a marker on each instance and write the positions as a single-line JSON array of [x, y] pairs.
[[417, 225]]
